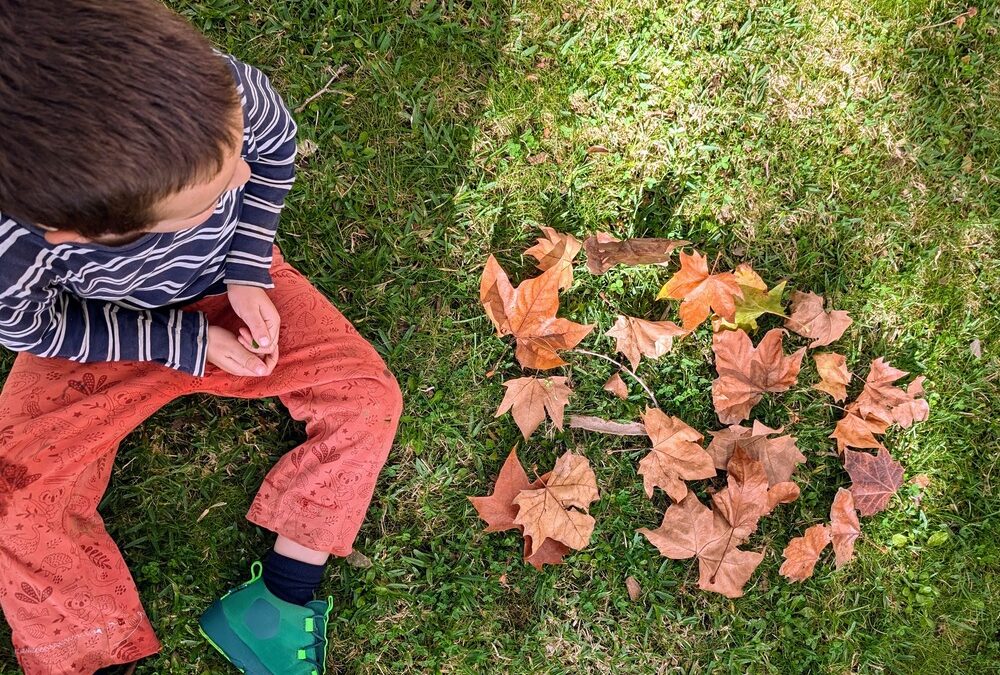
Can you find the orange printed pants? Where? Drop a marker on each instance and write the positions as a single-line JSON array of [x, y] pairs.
[[65, 590]]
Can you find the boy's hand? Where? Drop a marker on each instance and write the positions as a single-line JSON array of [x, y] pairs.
[[254, 307], [226, 352]]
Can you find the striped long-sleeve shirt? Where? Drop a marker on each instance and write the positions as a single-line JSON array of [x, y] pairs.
[[90, 302]]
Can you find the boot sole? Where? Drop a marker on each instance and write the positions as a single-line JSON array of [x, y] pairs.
[[214, 628]]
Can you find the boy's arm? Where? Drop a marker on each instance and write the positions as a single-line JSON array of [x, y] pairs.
[[56, 324], [272, 172]]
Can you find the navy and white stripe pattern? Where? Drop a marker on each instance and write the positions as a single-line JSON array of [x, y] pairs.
[[89, 302]]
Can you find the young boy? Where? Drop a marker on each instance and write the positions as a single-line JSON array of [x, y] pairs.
[[141, 180]]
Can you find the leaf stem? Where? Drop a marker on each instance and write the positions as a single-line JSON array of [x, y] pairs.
[[624, 368]]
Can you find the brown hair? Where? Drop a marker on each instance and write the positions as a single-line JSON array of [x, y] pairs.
[[106, 107]]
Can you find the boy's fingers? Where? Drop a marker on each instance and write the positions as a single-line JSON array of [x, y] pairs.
[[247, 340], [269, 315], [258, 328]]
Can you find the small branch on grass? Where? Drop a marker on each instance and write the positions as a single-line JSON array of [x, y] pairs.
[[624, 368], [325, 90], [603, 426]]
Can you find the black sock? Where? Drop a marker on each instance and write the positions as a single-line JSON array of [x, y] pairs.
[[291, 580]]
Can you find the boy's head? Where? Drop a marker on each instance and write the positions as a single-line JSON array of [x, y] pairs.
[[116, 118]]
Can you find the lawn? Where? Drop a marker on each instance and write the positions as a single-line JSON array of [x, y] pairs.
[[851, 147]]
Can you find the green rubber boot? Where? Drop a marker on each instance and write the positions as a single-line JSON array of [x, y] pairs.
[[263, 635]]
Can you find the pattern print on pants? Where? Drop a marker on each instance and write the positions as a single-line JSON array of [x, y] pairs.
[[65, 590]]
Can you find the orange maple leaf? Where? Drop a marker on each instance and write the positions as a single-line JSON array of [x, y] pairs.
[[636, 338], [558, 510], [528, 312], [701, 292], [745, 372], [498, 510], [530, 398], [676, 455]]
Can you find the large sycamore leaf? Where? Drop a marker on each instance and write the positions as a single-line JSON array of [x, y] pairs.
[[558, 509], [690, 529], [745, 372], [833, 374], [498, 509], [636, 338], [556, 250], [883, 400], [701, 292], [530, 398], [676, 455], [803, 552], [605, 251], [874, 479], [528, 312], [809, 320], [844, 526], [779, 455]]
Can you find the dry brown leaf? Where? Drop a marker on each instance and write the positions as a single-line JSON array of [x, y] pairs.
[[726, 569], [779, 455], [782, 493], [603, 426], [883, 400], [605, 251], [844, 526], [676, 455], [551, 552], [802, 553], [853, 432], [809, 320], [874, 479], [745, 372], [528, 312], [616, 386], [690, 529], [556, 250], [687, 528], [701, 292], [633, 588], [833, 374], [636, 338], [530, 398], [559, 509], [498, 509]]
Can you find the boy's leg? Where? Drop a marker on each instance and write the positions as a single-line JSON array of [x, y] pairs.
[[64, 588], [317, 495], [330, 377]]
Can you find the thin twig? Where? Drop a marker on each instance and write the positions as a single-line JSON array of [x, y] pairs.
[[326, 88], [624, 368]]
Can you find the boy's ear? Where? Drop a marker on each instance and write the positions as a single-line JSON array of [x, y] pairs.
[[56, 237]]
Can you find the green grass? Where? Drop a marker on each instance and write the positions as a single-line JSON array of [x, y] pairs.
[[846, 146]]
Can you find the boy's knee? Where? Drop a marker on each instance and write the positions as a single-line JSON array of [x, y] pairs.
[[388, 392]]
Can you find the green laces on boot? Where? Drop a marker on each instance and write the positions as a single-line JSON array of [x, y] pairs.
[[263, 635]]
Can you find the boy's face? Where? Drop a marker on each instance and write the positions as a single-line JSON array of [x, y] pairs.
[[182, 210]]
